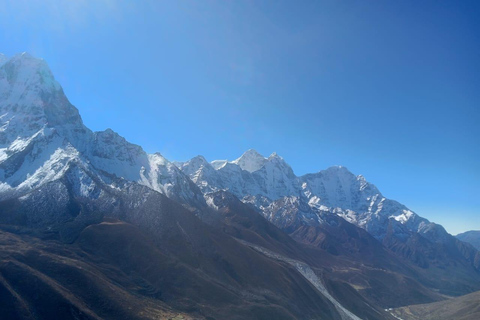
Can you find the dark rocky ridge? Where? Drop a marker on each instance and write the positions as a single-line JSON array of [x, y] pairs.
[[170, 255]]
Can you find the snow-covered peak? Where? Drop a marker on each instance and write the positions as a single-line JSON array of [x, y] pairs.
[[277, 165], [337, 187], [342, 174], [278, 160], [25, 70], [250, 161], [336, 170], [274, 155], [193, 165], [335, 190], [217, 164], [199, 159], [31, 99], [110, 145]]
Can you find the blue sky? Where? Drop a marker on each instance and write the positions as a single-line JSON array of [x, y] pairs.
[[389, 89]]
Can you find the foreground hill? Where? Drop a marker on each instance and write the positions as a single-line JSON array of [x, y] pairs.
[[169, 261]]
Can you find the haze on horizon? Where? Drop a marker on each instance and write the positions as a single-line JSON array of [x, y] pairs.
[[389, 90]]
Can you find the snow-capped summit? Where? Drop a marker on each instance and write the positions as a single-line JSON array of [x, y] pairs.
[[250, 161], [268, 182], [195, 167], [32, 99], [42, 135], [250, 175], [274, 155], [217, 164], [337, 187], [26, 74]]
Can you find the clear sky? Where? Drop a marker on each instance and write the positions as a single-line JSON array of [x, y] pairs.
[[389, 89]]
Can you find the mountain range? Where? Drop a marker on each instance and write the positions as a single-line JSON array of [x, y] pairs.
[[294, 203], [93, 227]]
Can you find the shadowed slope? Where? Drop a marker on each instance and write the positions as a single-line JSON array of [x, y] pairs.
[[168, 255], [357, 269], [50, 280]]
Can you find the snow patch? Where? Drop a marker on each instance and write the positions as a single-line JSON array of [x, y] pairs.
[[404, 217]]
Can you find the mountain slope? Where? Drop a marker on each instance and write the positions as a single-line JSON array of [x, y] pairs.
[[299, 205], [472, 237], [51, 280], [158, 245], [356, 268]]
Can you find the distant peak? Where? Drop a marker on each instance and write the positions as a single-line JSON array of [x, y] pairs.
[[337, 170], [30, 94], [199, 158], [24, 55], [250, 161], [217, 164], [192, 166], [27, 57], [252, 153], [274, 155], [27, 71], [107, 134]]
